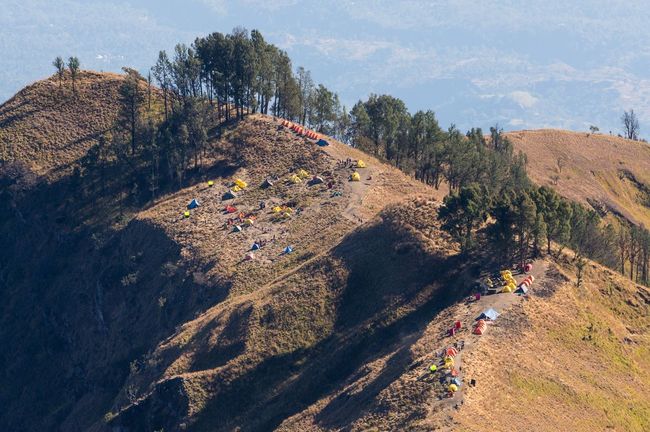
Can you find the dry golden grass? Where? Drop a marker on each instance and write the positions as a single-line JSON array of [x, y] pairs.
[[49, 128], [574, 361], [335, 335], [589, 168]]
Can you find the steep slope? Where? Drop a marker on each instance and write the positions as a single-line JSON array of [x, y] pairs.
[[153, 321], [90, 298], [609, 173]]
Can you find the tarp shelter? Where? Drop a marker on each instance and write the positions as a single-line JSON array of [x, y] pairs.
[[241, 183], [528, 267], [249, 256], [523, 289], [288, 250], [255, 246], [490, 314], [361, 164], [230, 209], [236, 228], [193, 204], [355, 176], [317, 180], [229, 195], [456, 381], [267, 183], [322, 143]]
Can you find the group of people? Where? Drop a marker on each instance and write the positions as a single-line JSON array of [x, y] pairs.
[[346, 163], [445, 369], [240, 218]]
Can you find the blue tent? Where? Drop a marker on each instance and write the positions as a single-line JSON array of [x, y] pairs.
[[322, 143], [255, 246], [194, 204], [288, 250], [490, 314], [456, 381]]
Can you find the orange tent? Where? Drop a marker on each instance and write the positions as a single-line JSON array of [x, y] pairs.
[[452, 352], [480, 328]]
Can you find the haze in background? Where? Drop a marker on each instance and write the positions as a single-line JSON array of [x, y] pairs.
[[524, 64]]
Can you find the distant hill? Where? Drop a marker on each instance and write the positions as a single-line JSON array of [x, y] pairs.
[[132, 317], [609, 173]]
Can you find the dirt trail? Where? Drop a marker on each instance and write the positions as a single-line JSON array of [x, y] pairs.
[[467, 316], [358, 189]]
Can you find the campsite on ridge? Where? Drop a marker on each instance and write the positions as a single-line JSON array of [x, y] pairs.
[[221, 245]]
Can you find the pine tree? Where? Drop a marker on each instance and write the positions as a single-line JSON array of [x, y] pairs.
[[73, 66]]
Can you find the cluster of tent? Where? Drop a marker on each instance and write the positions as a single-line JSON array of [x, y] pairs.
[[299, 176], [300, 130], [283, 211], [449, 366]]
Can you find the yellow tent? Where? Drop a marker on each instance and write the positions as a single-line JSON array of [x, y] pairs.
[[453, 388], [186, 214], [288, 209], [355, 177], [302, 174], [449, 362], [241, 183], [361, 164], [248, 221], [294, 178], [210, 183], [236, 188], [277, 209], [507, 289]]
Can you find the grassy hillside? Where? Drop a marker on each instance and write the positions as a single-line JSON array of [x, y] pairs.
[[49, 127], [609, 173], [142, 319], [568, 359]]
